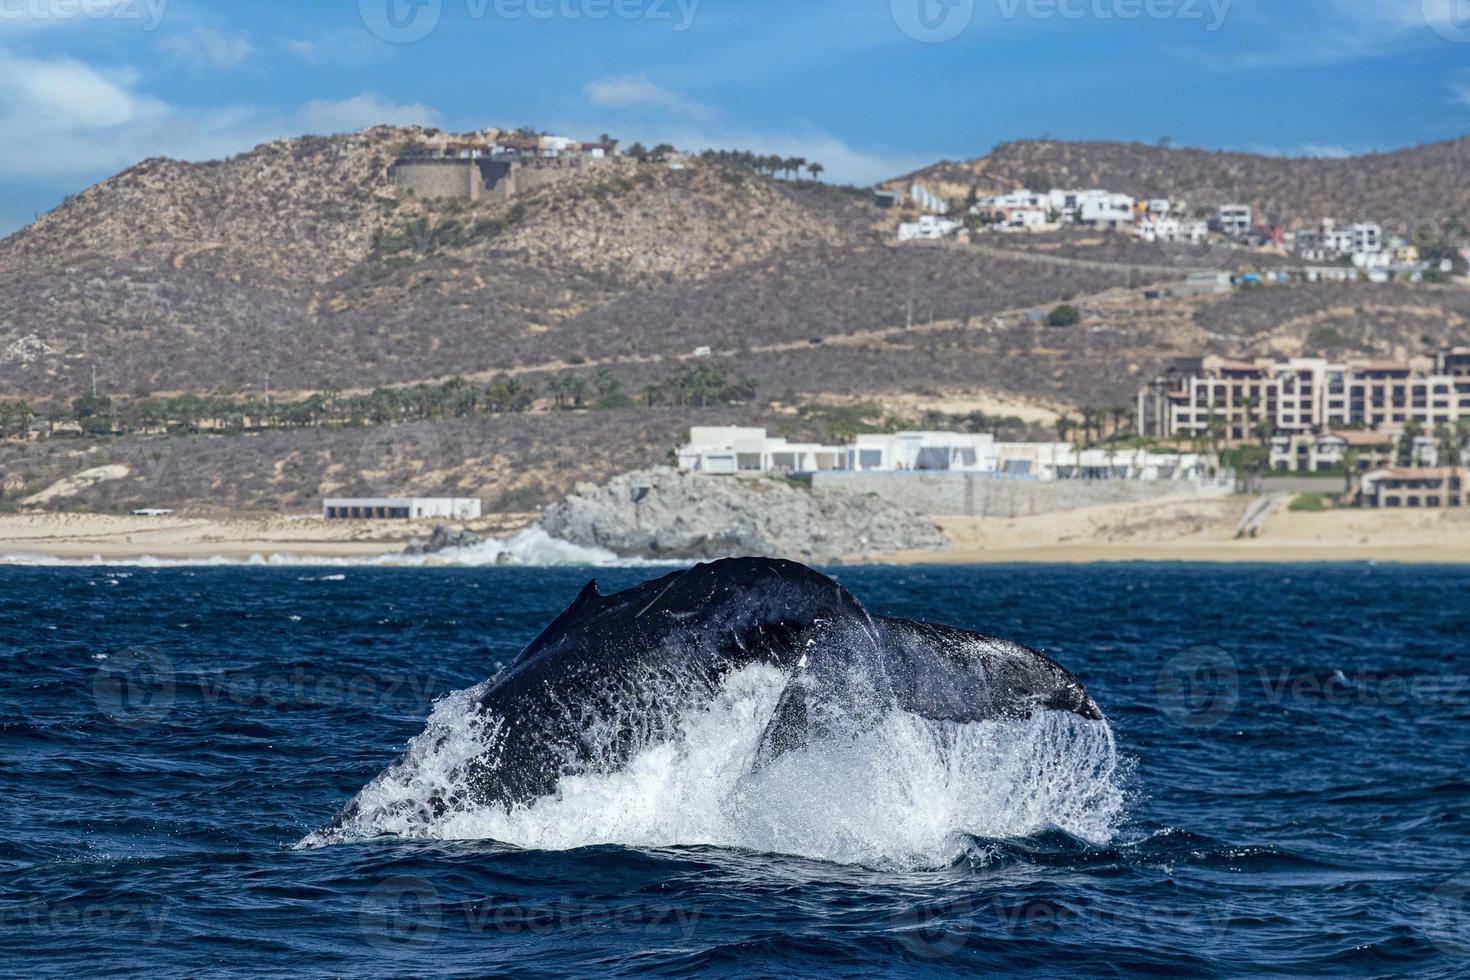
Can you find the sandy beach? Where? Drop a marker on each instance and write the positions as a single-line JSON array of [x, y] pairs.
[[1186, 530], [80, 537], [1204, 530]]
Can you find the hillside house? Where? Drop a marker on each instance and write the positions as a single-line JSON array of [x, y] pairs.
[[929, 227], [1235, 220]]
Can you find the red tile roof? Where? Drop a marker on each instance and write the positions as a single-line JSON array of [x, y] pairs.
[[1356, 438]]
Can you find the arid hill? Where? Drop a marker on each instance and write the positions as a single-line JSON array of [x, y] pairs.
[[300, 267], [1419, 188]]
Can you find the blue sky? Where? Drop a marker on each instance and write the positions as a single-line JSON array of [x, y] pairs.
[[871, 88]]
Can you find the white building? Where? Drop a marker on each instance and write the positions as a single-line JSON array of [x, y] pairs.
[[1099, 209], [924, 452], [929, 227], [1048, 461], [401, 508], [730, 450], [1170, 230], [1328, 242], [734, 449], [927, 200], [1233, 219]]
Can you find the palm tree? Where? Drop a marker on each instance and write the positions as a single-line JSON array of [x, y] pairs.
[[1412, 431], [1216, 429], [816, 170]]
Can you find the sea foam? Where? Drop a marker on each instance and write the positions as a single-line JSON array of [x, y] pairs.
[[907, 793], [532, 547]]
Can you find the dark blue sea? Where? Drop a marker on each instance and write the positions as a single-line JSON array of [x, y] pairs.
[[1289, 795]]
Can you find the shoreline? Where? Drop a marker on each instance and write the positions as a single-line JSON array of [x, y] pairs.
[[1194, 531]]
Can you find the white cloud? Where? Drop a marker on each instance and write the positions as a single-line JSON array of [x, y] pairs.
[[205, 47], [305, 50], [1324, 151], [635, 93], [1460, 92], [61, 95], [362, 111], [63, 119]]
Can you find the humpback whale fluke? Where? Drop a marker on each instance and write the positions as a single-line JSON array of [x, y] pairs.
[[617, 673]]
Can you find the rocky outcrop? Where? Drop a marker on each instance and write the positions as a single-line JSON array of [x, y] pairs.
[[443, 538], [662, 513]]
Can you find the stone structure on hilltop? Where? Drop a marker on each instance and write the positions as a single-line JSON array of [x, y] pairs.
[[497, 167]]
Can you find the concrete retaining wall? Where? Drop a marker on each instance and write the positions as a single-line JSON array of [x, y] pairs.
[[975, 495], [431, 178]]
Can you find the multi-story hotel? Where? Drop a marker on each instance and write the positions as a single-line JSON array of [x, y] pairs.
[[1305, 395]]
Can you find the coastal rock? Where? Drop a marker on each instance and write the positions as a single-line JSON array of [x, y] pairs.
[[443, 538], [662, 513]]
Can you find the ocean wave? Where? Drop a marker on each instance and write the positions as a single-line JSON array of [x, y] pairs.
[[908, 793], [532, 548]]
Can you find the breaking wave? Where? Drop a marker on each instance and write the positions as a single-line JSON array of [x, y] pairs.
[[909, 793], [532, 547]]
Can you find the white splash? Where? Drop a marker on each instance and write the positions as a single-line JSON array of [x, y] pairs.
[[532, 547], [909, 793]]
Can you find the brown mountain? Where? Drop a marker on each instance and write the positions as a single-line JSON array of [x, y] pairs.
[[300, 263], [1422, 187]]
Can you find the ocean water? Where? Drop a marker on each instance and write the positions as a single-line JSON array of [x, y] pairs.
[[1281, 787]]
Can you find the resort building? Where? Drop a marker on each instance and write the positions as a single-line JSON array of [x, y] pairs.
[[1304, 395], [732, 450], [1334, 450], [1419, 487], [400, 508]]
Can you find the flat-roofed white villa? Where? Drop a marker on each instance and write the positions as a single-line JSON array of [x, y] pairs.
[[401, 508], [732, 450]]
